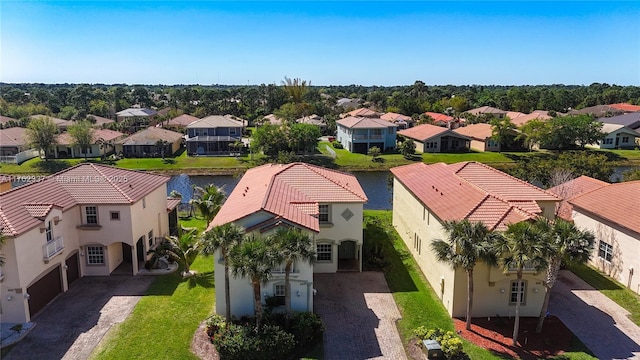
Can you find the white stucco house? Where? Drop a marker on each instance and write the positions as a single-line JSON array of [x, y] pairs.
[[89, 220], [617, 136], [326, 204], [424, 196]]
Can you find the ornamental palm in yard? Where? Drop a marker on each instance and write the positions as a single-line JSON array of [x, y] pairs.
[[293, 246], [223, 238], [567, 244], [524, 244], [183, 248], [466, 244], [254, 258], [208, 200]]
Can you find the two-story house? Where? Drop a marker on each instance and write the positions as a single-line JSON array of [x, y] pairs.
[[213, 135], [424, 196], [359, 134], [326, 204], [89, 220]]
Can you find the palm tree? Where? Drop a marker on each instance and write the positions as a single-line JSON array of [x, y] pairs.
[[182, 248], [293, 246], [254, 258], [524, 244], [567, 244], [223, 238], [209, 200], [466, 244]]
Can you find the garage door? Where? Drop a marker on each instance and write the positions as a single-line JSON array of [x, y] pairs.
[[44, 290], [73, 271]]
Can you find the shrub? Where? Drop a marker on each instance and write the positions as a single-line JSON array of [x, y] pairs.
[[306, 327], [337, 145], [450, 343], [237, 342], [215, 323]]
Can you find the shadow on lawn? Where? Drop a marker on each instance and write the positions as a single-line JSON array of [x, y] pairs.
[[205, 280], [52, 166]]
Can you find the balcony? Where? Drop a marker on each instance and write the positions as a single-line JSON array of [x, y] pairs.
[[52, 248]]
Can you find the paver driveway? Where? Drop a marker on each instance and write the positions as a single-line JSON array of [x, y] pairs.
[[359, 316], [73, 324], [595, 319]]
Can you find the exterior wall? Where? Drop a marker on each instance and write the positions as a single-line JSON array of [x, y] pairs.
[[75, 152], [609, 141], [347, 137], [340, 230], [418, 227], [625, 261], [219, 131], [478, 145]]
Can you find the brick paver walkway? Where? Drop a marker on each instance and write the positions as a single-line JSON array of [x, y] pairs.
[[359, 316], [595, 319]]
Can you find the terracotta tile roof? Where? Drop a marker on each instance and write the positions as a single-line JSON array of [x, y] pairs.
[[82, 184], [364, 123], [521, 120], [182, 120], [473, 191], [61, 123], [362, 112], [476, 131], [486, 110], [172, 203], [105, 134], [571, 189], [216, 121], [390, 116], [15, 136], [426, 131], [439, 117], [291, 192], [150, 136], [6, 119], [617, 203], [99, 120], [626, 107], [38, 210]]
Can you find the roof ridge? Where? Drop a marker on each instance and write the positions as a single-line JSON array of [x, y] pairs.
[[316, 170], [271, 181], [512, 177], [110, 181]]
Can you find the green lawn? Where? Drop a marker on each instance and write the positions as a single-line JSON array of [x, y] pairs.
[[163, 323], [611, 288], [418, 303]]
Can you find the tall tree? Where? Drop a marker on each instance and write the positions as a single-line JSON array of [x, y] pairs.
[[523, 245], [502, 132], [293, 246], [41, 134], [466, 244], [567, 244], [533, 132], [254, 258], [82, 135], [223, 238], [208, 200]]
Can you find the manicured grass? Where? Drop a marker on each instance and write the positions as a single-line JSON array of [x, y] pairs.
[[163, 323], [418, 303], [611, 288], [630, 155], [353, 161], [193, 222]]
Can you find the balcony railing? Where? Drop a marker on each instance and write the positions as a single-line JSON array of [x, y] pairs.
[[52, 248]]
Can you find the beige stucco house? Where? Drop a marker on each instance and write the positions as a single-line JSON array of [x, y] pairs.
[[424, 196], [326, 204], [434, 139], [480, 135], [89, 220]]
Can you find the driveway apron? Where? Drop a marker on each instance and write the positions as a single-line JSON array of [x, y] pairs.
[[74, 323], [601, 324], [359, 316]]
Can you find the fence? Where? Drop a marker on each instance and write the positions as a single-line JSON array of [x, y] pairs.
[[20, 157]]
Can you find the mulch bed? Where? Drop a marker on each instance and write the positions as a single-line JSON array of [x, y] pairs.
[[201, 344], [495, 334]]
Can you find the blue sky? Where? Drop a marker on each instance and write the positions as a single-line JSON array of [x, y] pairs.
[[327, 43]]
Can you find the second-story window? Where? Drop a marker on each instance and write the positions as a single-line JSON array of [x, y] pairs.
[[49, 232], [323, 213], [91, 214]]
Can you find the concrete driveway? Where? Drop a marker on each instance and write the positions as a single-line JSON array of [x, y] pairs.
[[359, 316], [74, 323], [595, 319]]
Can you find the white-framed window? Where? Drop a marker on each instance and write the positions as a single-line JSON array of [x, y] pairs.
[[324, 251], [518, 292], [95, 255], [91, 215], [605, 251], [279, 290], [115, 215], [323, 213], [49, 232], [150, 235]]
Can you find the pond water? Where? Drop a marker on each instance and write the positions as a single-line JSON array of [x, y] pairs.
[[374, 184]]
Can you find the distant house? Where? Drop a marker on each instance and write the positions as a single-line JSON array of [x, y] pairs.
[[630, 120], [60, 123], [617, 137], [346, 103], [571, 189], [611, 213], [403, 121], [271, 119], [443, 120], [488, 111], [324, 204], [88, 220], [14, 146], [180, 122], [434, 139], [598, 111], [137, 118], [104, 143], [5, 120], [359, 134], [362, 112], [145, 143], [520, 119], [99, 121], [480, 135], [424, 196], [627, 108], [213, 135]]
